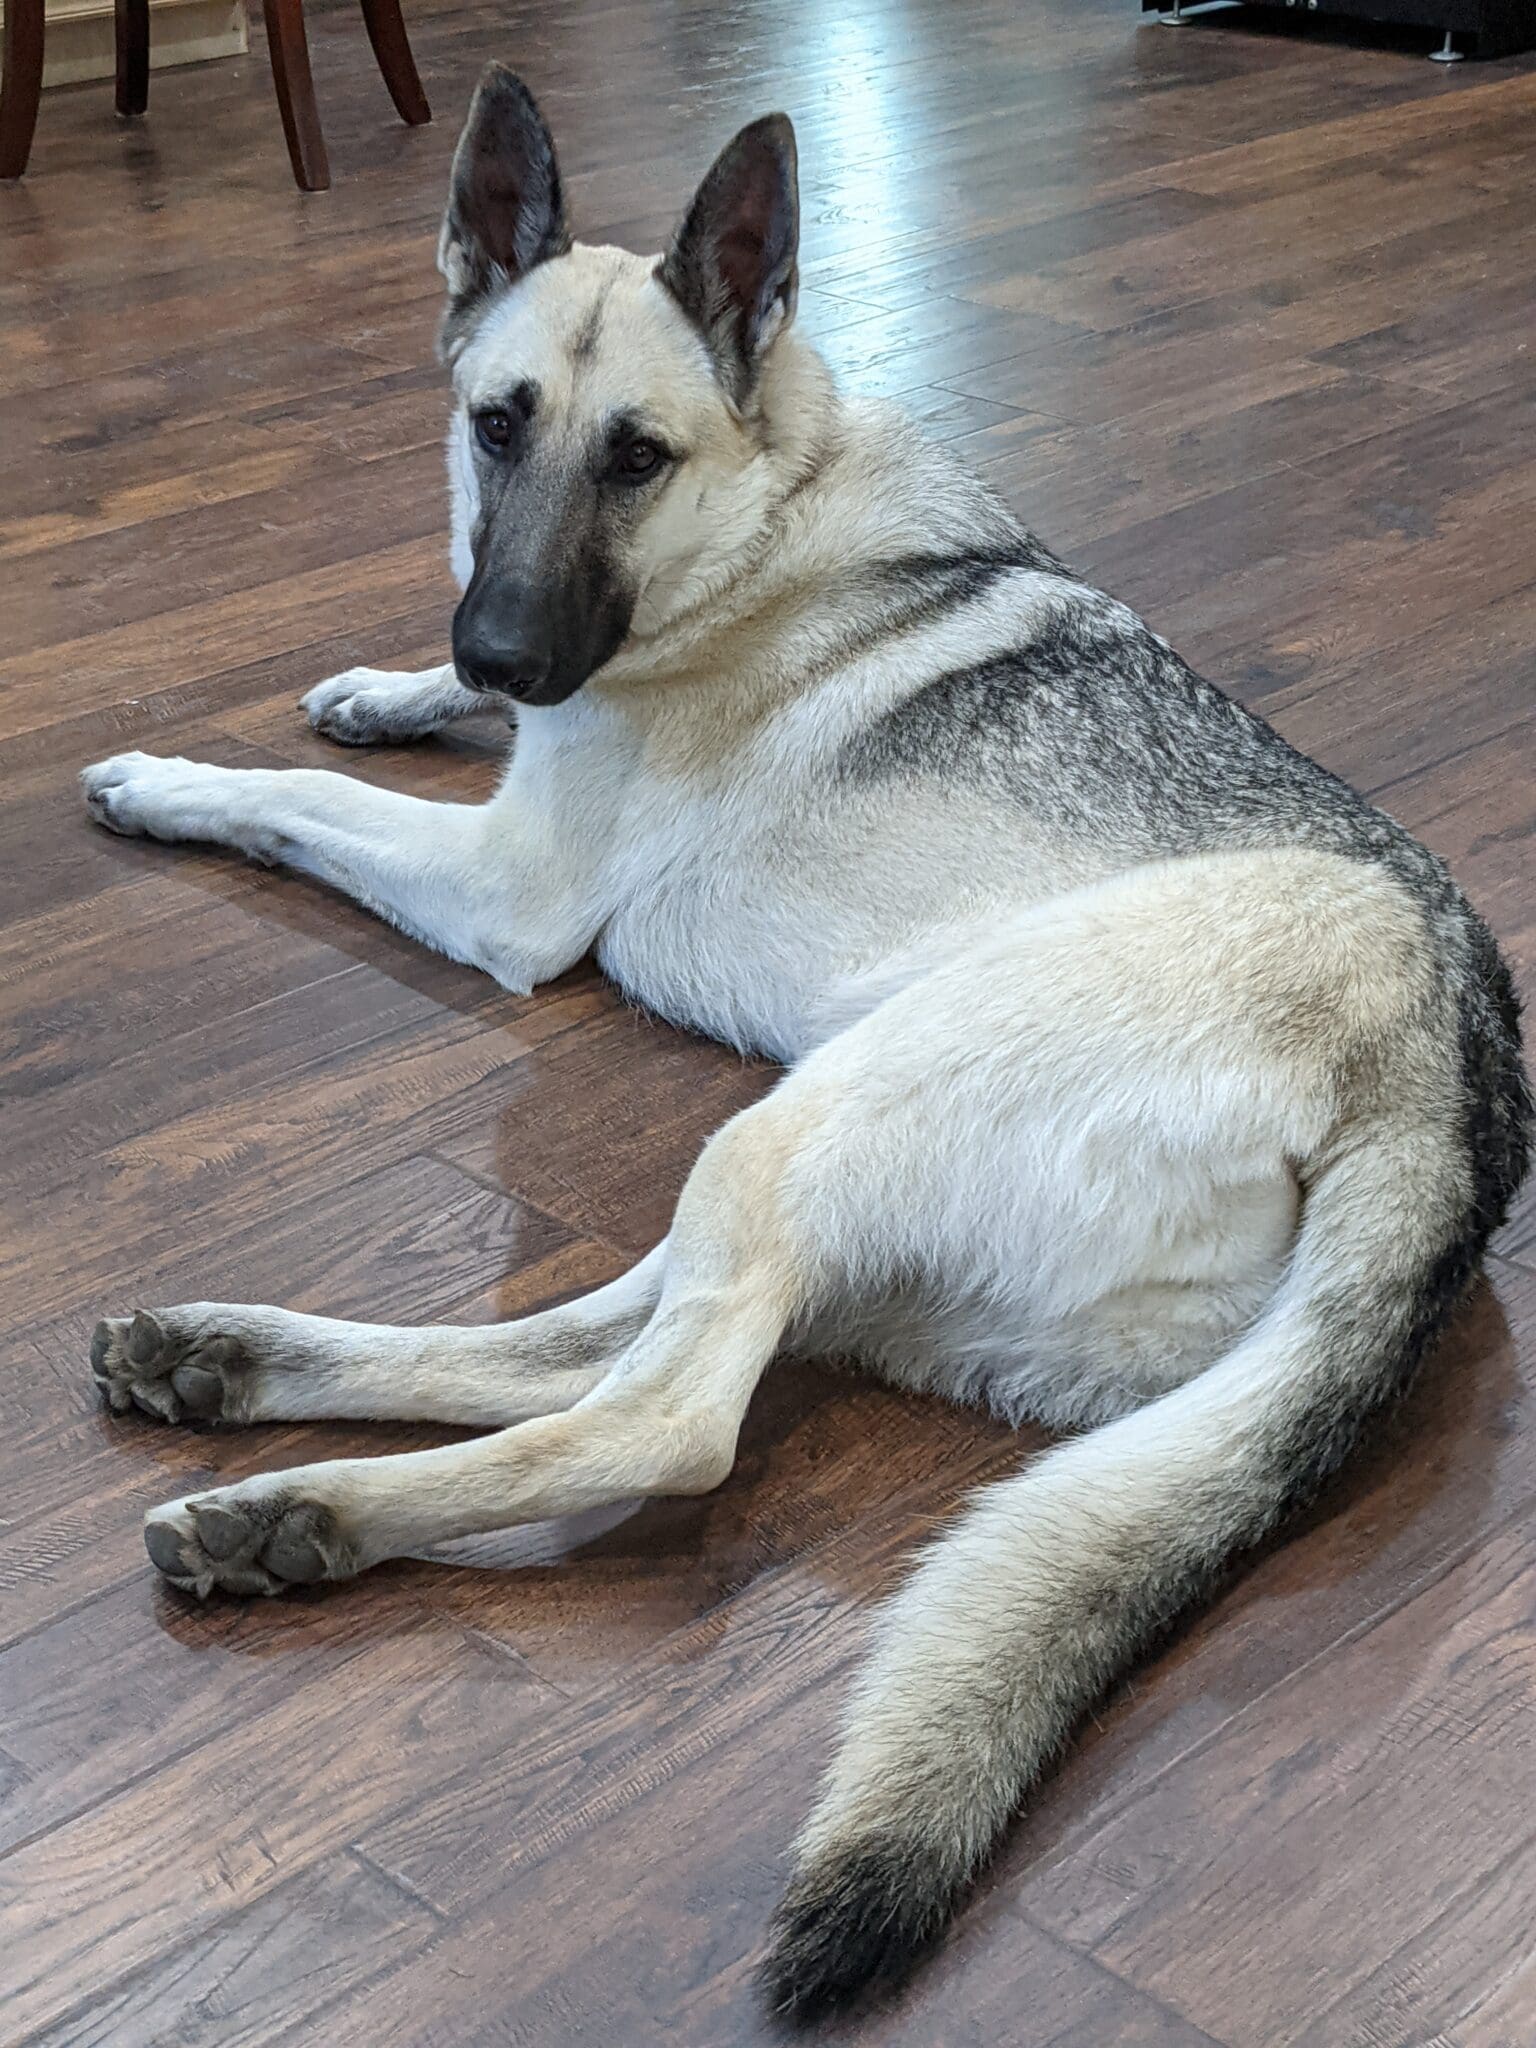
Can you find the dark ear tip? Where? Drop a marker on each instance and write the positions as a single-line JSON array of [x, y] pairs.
[[777, 130], [499, 81]]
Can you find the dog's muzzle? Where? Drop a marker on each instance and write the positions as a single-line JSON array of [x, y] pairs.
[[520, 668]]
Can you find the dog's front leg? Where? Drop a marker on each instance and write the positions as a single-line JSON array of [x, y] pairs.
[[452, 875]]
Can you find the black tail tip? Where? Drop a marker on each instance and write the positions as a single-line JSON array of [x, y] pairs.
[[851, 1928]]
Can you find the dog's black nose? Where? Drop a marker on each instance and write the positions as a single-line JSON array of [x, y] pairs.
[[517, 666]]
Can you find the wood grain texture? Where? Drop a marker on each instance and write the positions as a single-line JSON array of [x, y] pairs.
[[1241, 321]]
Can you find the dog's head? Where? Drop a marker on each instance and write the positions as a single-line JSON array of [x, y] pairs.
[[607, 437]]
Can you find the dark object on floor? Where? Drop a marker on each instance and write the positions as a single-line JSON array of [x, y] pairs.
[[1471, 28], [22, 77]]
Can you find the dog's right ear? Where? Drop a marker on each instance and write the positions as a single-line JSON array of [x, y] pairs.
[[506, 211]]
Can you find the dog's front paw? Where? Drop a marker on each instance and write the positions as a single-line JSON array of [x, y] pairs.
[[145, 796], [351, 707], [365, 707]]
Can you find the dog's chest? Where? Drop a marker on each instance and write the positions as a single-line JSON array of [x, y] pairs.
[[712, 927], [741, 892]]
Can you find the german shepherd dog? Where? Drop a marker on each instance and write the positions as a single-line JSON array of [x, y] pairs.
[[1143, 1078]]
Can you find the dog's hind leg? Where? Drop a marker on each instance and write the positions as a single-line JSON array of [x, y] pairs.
[[226, 1362], [380, 706], [664, 1419]]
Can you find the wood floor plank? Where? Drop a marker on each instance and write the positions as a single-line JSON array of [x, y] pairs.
[[172, 1854], [632, 1922], [1249, 424], [1464, 1979], [1184, 345], [411, 1055], [1255, 571], [1465, 680], [264, 1971], [725, 1683], [1413, 1734], [174, 708], [49, 504], [587, 1600], [47, 870], [206, 552]]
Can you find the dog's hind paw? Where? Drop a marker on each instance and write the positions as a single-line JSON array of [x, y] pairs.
[[255, 1539], [178, 1373]]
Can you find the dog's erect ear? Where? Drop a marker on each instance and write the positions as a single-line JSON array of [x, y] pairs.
[[732, 266], [505, 212]]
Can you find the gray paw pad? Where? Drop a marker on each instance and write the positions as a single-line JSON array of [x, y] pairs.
[[164, 1547], [295, 1557], [200, 1392], [145, 1340], [221, 1533]]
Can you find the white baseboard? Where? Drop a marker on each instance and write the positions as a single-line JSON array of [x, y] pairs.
[[79, 40]]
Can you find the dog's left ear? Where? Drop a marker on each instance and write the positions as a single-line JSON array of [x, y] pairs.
[[733, 264], [506, 211]]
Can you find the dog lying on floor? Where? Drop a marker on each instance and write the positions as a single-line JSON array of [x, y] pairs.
[[1144, 1079]]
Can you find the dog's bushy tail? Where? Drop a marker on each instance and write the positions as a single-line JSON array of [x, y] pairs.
[[1055, 1579]]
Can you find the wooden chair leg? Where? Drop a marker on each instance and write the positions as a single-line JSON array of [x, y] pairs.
[[132, 22], [289, 48], [21, 84], [386, 32]]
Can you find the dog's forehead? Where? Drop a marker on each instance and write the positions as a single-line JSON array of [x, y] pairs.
[[589, 329]]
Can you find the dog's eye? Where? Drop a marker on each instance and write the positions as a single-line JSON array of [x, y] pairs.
[[638, 460], [493, 430]]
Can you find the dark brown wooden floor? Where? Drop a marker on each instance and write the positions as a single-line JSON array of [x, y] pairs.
[[1244, 322]]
